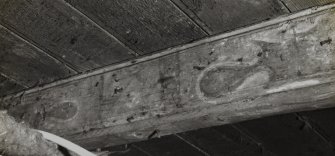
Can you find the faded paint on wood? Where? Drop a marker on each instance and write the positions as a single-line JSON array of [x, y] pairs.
[[149, 25], [26, 64], [296, 5], [62, 32], [280, 69], [222, 16], [8, 87]]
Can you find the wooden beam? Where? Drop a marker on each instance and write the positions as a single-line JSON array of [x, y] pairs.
[[281, 66]]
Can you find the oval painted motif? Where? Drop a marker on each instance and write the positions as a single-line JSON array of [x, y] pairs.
[[63, 111]]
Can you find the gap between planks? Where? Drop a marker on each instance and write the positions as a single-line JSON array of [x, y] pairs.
[[133, 50], [37, 47]]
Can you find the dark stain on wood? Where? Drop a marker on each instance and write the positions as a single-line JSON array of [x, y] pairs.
[[149, 25], [130, 118], [164, 80], [63, 33], [118, 90], [199, 67], [26, 64], [327, 41], [221, 16], [153, 134]]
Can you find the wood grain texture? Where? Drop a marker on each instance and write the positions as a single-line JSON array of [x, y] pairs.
[[284, 68], [62, 32], [8, 87], [288, 135], [125, 150], [168, 146], [149, 25], [321, 121], [226, 15], [224, 140], [296, 5], [26, 64]]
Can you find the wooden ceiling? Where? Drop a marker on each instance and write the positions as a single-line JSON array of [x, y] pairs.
[[42, 40], [296, 134]]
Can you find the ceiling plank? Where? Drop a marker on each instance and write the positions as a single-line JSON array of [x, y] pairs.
[[297, 5], [125, 150], [168, 146], [222, 16], [287, 135], [26, 64], [149, 25], [319, 121], [222, 140], [259, 73], [62, 32], [8, 87]]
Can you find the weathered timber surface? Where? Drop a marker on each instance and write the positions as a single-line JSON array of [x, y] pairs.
[[284, 68], [148, 25], [221, 16], [63, 32], [296, 5], [8, 87], [26, 64]]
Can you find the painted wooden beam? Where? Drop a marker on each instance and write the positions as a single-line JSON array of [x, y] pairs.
[[280, 66]]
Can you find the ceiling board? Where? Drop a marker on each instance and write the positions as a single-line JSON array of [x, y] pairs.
[[27, 64], [148, 25], [322, 121], [125, 150], [64, 33], [224, 15], [222, 140], [287, 135], [8, 87], [296, 5], [168, 146]]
